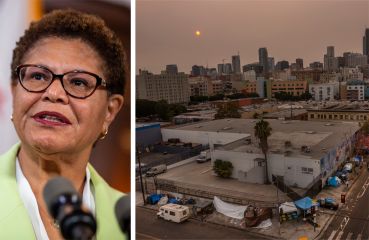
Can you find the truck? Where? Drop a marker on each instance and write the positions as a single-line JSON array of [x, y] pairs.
[[174, 212], [156, 170], [203, 157]]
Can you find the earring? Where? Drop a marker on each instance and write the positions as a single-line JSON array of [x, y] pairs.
[[104, 134], [11, 117]]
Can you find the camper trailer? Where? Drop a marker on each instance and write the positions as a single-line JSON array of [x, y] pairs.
[[174, 212]]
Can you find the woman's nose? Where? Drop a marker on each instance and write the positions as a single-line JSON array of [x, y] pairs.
[[55, 92]]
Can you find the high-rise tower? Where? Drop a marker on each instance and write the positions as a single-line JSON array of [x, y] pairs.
[[263, 60], [236, 64]]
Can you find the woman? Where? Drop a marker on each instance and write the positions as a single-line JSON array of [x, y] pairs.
[[67, 87]]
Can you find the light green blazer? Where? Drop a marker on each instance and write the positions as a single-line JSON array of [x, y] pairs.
[[15, 222]]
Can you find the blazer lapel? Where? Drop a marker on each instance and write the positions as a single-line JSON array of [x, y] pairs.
[[14, 219]]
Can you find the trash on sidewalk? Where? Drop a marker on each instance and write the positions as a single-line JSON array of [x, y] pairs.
[[265, 224]]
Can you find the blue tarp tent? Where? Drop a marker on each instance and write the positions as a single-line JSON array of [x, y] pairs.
[[333, 181], [304, 203]]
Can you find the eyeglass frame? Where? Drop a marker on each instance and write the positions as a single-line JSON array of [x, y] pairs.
[[99, 80]]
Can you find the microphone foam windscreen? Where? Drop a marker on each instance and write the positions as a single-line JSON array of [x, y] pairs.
[[56, 187], [123, 212]]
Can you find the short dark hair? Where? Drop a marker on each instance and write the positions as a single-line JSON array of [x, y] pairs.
[[72, 24]]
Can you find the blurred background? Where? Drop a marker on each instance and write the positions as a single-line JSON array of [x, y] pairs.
[[111, 157]]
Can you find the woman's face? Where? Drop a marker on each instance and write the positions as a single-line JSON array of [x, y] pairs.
[[52, 121]]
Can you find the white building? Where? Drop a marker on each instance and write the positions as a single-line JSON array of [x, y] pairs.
[[165, 86], [355, 90], [302, 152], [324, 91], [351, 73]]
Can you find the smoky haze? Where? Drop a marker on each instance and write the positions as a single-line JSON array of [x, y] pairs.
[[288, 29]]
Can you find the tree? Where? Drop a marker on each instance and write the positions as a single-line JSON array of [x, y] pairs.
[[162, 108], [145, 108], [223, 168], [262, 131], [228, 110]]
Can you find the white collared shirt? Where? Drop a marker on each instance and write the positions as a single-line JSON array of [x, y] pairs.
[[30, 203]]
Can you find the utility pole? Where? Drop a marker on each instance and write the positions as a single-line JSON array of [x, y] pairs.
[[138, 154]]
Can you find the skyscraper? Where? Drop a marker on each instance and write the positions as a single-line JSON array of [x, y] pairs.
[[299, 63], [236, 64], [172, 69], [366, 42], [220, 68], [330, 61], [227, 68], [263, 60]]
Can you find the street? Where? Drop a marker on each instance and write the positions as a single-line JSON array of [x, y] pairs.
[[352, 220], [149, 227]]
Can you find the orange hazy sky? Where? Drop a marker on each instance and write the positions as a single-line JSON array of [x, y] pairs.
[[165, 30]]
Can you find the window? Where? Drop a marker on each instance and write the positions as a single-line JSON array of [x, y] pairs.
[[172, 213], [306, 170]]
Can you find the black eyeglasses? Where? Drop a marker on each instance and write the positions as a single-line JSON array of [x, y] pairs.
[[78, 84]]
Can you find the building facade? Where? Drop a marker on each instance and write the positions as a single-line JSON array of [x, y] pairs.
[[324, 91], [173, 88]]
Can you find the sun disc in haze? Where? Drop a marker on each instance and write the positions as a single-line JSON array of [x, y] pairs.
[[197, 33]]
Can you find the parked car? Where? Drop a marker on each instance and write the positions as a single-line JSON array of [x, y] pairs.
[[174, 212], [156, 170], [329, 203], [144, 169]]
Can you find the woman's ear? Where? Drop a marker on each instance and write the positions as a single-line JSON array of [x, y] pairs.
[[115, 103]]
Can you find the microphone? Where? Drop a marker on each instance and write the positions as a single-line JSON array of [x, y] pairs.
[[123, 214], [65, 206]]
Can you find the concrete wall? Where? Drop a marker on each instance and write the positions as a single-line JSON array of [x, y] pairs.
[[289, 167], [205, 138]]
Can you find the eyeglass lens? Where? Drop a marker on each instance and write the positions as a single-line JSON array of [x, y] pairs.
[[37, 79]]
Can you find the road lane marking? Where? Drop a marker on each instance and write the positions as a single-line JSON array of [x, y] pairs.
[[339, 235], [344, 223], [206, 171], [332, 235], [363, 189]]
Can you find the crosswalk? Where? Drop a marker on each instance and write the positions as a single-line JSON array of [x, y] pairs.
[[338, 235]]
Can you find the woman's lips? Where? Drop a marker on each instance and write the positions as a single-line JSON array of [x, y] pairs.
[[51, 118]]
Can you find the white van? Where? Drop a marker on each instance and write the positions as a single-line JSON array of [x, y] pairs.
[[204, 157], [174, 212]]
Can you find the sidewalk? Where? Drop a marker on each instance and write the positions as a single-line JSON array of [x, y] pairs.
[[286, 230]]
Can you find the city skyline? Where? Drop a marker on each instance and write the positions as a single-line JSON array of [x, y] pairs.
[[166, 31]]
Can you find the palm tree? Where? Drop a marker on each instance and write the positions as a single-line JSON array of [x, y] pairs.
[[263, 131]]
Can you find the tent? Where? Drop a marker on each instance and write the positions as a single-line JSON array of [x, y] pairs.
[[228, 209], [334, 181], [304, 203], [287, 207]]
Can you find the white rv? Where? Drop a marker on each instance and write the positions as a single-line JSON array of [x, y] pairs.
[[174, 212]]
